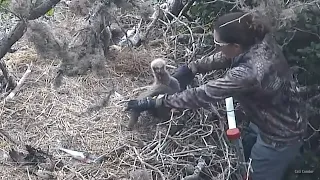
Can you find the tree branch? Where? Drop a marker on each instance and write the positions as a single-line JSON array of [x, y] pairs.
[[17, 32], [19, 85], [42, 9], [8, 40], [314, 98], [11, 83], [309, 89], [185, 9], [313, 110]]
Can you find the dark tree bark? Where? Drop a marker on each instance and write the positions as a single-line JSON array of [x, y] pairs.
[[17, 32]]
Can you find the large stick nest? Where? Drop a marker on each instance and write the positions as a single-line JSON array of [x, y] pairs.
[[86, 114], [47, 118]]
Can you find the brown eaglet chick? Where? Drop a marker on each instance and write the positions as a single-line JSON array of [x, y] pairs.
[[163, 83]]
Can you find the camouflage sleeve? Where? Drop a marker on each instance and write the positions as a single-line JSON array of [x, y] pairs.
[[209, 63], [236, 81]]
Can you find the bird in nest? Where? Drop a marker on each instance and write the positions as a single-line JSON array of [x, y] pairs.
[[163, 83]]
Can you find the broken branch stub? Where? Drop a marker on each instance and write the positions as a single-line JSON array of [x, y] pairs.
[[10, 83], [19, 84]]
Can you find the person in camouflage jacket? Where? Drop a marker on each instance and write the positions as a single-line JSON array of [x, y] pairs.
[[258, 77]]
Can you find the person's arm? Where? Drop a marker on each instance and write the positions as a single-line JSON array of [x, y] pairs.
[[213, 62], [236, 81]]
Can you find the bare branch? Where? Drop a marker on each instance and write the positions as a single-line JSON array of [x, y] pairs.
[[42, 9], [19, 84], [17, 32]]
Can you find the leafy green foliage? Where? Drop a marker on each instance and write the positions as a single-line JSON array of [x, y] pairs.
[[300, 41], [50, 12], [304, 48], [206, 11], [4, 4]]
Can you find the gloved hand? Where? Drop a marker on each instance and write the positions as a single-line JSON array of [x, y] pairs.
[[184, 75], [141, 105]]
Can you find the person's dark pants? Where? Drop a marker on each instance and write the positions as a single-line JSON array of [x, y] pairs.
[[268, 161]]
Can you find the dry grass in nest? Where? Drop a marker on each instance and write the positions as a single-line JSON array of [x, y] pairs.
[[47, 118], [42, 117], [132, 61]]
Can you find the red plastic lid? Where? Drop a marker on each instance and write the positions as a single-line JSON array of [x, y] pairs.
[[233, 133]]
